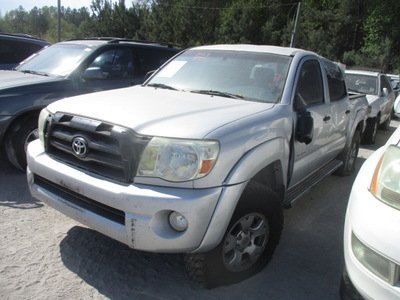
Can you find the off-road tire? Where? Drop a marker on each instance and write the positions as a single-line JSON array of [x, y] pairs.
[[349, 156], [23, 132], [260, 210]]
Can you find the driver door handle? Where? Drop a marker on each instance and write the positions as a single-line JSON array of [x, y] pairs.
[[326, 118]]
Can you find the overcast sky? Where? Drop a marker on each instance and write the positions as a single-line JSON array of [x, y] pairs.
[[7, 5]]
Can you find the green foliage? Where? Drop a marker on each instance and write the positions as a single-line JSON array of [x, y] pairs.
[[361, 33]]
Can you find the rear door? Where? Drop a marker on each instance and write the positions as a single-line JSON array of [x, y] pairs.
[[339, 103]]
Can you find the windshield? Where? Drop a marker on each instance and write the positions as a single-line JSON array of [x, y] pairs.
[[56, 60], [364, 84], [234, 74]]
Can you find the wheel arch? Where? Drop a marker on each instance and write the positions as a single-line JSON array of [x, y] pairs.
[[267, 164], [12, 139], [264, 164], [24, 115]]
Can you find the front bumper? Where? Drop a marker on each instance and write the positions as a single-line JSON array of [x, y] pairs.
[[347, 289], [375, 226], [136, 214]]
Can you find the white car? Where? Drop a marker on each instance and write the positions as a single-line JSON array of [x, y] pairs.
[[372, 227], [380, 97]]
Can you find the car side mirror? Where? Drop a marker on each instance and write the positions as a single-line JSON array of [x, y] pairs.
[[93, 74], [385, 91], [304, 126]]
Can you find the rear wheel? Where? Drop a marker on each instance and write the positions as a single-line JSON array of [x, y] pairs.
[[349, 157], [370, 131], [18, 138], [248, 244]]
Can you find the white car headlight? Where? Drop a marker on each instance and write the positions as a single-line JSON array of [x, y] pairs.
[[178, 160], [385, 185], [374, 262], [43, 117]]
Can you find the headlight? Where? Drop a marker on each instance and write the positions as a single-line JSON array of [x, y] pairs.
[[385, 184], [43, 117], [178, 160], [376, 263]]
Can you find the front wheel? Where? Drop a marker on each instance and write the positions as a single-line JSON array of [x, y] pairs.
[[370, 131], [248, 244], [17, 140]]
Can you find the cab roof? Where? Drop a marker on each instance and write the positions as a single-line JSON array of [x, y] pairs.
[[286, 51]]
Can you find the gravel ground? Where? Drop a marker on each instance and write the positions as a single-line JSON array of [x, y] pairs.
[[45, 255]]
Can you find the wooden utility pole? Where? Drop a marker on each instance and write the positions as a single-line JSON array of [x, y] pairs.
[[296, 26], [58, 20]]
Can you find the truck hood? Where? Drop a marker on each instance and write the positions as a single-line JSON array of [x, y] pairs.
[[160, 112], [16, 79]]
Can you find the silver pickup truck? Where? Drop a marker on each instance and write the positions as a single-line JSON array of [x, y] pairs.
[[203, 157]]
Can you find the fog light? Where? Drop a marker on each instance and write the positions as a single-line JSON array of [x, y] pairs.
[[178, 221]]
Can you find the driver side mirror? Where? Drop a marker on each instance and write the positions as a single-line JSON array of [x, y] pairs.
[[94, 73], [385, 91], [304, 126]]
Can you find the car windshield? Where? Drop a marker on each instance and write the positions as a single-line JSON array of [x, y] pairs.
[[56, 60], [364, 84], [233, 74]]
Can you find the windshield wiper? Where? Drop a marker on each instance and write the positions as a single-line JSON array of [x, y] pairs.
[[34, 72], [162, 86], [218, 93]]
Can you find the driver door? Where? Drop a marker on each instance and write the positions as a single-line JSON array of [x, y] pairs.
[[310, 99]]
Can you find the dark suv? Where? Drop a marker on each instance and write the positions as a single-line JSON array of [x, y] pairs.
[[14, 48], [67, 69]]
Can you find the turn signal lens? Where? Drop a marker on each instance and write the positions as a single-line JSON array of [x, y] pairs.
[[43, 117], [385, 185]]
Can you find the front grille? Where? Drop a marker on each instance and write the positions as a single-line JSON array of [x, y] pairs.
[[98, 147], [81, 201]]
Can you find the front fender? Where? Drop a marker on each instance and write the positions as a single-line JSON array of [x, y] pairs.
[[258, 158], [375, 105], [255, 160]]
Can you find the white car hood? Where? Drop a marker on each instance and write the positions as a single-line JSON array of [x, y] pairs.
[[372, 98], [160, 112]]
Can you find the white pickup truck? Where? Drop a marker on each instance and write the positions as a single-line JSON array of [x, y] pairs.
[[203, 157], [380, 96]]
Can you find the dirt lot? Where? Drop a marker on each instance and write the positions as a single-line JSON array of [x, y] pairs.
[[44, 255]]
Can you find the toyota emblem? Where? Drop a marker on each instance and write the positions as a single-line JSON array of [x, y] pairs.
[[79, 147]]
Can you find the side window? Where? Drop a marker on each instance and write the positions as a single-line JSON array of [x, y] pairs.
[[114, 63], [309, 90], [336, 81], [12, 52], [151, 59], [7, 54]]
